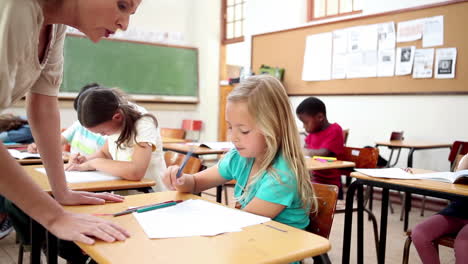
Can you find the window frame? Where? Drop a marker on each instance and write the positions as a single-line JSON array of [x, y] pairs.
[[224, 22], [310, 11]]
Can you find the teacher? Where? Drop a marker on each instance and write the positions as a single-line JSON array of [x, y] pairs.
[[32, 34]]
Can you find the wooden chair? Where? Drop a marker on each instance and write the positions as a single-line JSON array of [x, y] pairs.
[[345, 135], [173, 133], [321, 219], [193, 165]]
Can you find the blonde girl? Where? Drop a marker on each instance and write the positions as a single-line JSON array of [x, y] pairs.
[[267, 162], [133, 149]]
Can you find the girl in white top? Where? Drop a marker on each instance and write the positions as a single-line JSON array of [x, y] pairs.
[[32, 34], [133, 149]]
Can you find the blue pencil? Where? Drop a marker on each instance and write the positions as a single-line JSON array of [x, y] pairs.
[[187, 157]]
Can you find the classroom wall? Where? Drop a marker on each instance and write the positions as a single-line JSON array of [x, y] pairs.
[[198, 21], [438, 118]]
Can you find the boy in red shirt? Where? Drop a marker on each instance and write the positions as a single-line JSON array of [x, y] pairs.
[[323, 139]]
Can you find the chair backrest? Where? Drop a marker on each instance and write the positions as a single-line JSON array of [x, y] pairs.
[[397, 135], [193, 165], [173, 133], [458, 148], [345, 135], [322, 219], [363, 157]]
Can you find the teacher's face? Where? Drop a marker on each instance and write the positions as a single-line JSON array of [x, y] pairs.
[[101, 18]]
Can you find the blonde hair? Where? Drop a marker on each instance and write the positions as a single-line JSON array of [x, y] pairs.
[[268, 104]]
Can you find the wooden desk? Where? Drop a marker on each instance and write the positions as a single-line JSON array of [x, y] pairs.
[[184, 148], [43, 181], [424, 187], [255, 244], [411, 145], [37, 231], [313, 164], [172, 140]]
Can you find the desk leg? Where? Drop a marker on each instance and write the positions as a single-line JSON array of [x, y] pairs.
[[407, 209], [52, 251], [37, 238], [322, 259], [383, 226], [348, 221], [219, 192], [360, 224], [410, 158]]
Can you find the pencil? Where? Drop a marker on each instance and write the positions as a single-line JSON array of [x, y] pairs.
[[181, 169]]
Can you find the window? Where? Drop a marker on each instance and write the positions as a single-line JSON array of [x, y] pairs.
[[233, 21], [320, 9]]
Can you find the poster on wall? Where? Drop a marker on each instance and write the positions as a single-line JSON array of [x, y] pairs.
[[433, 32], [445, 63], [423, 63], [386, 63], [318, 57], [404, 60], [410, 30]]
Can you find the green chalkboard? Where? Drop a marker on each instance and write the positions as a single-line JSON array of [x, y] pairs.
[[146, 70]]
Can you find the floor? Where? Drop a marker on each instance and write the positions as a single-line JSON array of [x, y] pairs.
[[395, 239]]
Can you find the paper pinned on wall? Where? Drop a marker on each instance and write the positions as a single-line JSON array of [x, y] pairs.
[[318, 57], [423, 63], [404, 60], [85, 176], [340, 49], [410, 30], [433, 32], [362, 38], [386, 63], [445, 63], [386, 36], [362, 64]]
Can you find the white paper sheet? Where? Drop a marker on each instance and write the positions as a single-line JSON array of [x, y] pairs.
[[423, 63], [195, 218], [23, 155], [386, 35], [362, 38], [433, 32], [339, 66], [85, 176], [221, 145], [392, 173], [386, 63], [404, 60], [410, 30], [340, 49], [446, 60], [318, 57], [362, 64], [340, 41]]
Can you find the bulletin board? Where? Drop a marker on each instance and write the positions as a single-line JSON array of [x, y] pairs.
[[285, 49]]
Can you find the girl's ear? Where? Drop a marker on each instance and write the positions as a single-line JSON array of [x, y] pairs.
[[117, 116]]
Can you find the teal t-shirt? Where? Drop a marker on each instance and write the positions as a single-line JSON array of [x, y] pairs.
[[235, 167]]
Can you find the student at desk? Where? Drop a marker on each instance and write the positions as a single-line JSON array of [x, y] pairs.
[[453, 219], [80, 139], [323, 139], [14, 129], [133, 149], [267, 162]]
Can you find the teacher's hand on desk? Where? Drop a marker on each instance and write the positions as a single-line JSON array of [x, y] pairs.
[[78, 197], [80, 228]]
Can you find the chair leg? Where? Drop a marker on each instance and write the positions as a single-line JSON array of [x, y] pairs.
[[423, 205], [376, 234], [322, 259], [225, 194], [20, 253], [406, 250]]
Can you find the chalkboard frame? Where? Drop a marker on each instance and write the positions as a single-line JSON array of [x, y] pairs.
[[148, 97]]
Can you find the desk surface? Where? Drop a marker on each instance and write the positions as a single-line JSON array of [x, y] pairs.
[[42, 180], [460, 189], [412, 144], [184, 148], [172, 140], [313, 164], [255, 244]]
